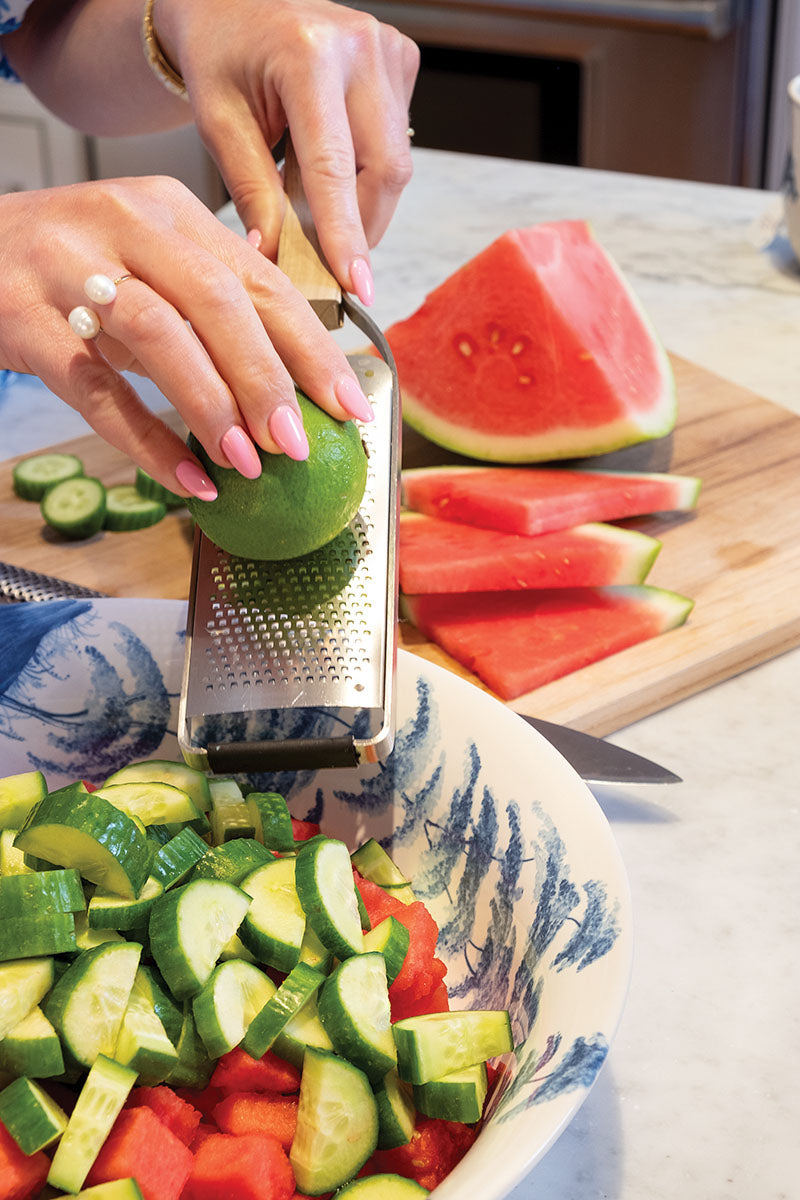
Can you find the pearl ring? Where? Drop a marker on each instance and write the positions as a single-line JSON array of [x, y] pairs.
[[102, 289]]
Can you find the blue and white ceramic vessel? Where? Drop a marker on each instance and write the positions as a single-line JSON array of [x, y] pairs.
[[503, 841]]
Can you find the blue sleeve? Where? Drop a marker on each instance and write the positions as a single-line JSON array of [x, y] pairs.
[[11, 14]]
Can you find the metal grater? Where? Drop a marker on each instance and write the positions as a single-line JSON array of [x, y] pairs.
[[291, 664]]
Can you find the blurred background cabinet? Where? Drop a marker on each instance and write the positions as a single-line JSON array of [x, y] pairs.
[[690, 89]]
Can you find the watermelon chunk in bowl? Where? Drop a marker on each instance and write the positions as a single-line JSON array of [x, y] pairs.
[[536, 349]]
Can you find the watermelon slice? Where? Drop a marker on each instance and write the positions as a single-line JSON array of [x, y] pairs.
[[518, 641], [535, 349], [441, 556], [533, 500]]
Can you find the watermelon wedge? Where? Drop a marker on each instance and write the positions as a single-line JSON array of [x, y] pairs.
[[518, 641], [535, 349], [534, 500], [441, 556]]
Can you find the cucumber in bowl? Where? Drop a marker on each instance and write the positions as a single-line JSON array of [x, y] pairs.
[[188, 954]]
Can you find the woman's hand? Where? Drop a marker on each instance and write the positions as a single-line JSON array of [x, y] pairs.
[[340, 79], [216, 326]]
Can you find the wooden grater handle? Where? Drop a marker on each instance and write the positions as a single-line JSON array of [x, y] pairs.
[[299, 253]]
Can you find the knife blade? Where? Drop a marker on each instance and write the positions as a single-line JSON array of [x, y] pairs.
[[595, 760], [599, 761]]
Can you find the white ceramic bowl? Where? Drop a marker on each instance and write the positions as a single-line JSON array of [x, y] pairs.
[[503, 841]]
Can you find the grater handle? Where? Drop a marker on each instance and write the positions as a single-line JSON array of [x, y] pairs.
[[299, 253], [295, 754]]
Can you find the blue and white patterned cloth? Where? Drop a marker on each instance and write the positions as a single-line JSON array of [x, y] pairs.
[[11, 14]]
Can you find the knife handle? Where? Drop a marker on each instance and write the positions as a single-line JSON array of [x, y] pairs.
[[299, 253]]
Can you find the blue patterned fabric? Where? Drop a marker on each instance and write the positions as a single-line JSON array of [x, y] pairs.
[[11, 14]]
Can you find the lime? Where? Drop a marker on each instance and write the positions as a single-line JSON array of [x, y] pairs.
[[293, 507]]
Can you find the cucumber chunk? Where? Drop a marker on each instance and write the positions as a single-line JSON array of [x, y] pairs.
[[373, 863], [274, 926], [12, 860], [118, 1189], [32, 1048], [127, 508], [153, 803], [36, 893], [226, 1006], [435, 1044], [390, 938], [75, 828], [396, 1112], [233, 861], [194, 1067], [382, 1187], [162, 770], [23, 985], [32, 1118], [75, 507], [328, 895], [298, 987], [34, 475], [178, 857], [337, 1123], [87, 1004], [354, 1009], [273, 820], [142, 1043], [32, 937], [106, 910], [101, 1098], [189, 927], [458, 1096], [303, 1030], [18, 794]]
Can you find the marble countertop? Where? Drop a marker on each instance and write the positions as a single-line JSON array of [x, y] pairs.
[[698, 1098]]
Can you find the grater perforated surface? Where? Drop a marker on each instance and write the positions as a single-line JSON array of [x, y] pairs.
[[300, 648]]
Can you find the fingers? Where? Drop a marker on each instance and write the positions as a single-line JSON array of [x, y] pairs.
[[241, 150], [77, 373]]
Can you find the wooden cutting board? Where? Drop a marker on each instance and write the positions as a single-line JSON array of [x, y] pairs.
[[737, 557]]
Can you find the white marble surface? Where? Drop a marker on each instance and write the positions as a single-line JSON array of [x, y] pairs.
[[698, 1099]]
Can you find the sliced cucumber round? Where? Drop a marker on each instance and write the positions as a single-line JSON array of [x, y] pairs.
[[76, 507], [34, 936], [337, 1123], [34, 475], [22, 986], [127, 508], [162, 770], [151, 489], [153, 803], [38, 892], [233, 861], [327, 893], [18, 794]]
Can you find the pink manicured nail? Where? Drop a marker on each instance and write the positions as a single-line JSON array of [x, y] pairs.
[[254, 238], [287, 430], [240, 452], [361, 281], [353, 400], [190, 476]]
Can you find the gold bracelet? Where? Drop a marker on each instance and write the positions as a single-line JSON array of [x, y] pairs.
[[160, 65]]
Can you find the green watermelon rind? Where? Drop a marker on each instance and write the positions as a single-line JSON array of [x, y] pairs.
[[564, 441]]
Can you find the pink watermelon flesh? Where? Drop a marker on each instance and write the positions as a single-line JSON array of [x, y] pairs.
[[534, 500], [518, 641], [441, 556], [535, 349]]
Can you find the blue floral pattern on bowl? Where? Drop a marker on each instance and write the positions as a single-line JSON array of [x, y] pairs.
[[504, 843]]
